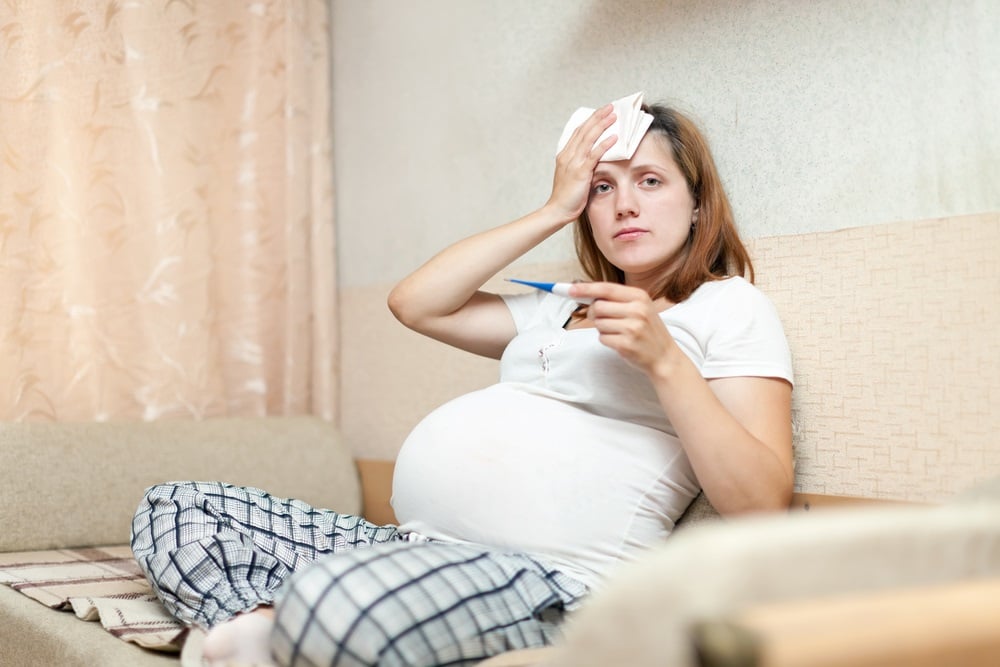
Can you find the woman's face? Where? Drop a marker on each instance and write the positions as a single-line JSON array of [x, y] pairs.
[[640, 211]]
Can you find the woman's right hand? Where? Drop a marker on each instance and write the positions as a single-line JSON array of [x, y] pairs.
[[576, 162]]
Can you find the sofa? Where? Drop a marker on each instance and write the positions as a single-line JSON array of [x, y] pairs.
[[69, 491], [900, 586], [66, 487], [892, 330]]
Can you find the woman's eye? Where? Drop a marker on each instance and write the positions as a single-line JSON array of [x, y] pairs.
[[601, 188], [651, 182]]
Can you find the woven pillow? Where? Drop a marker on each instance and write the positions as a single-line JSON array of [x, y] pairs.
[[699, 511]]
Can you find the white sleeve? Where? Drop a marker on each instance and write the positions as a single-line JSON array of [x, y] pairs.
[[536, 308], [748, 339]]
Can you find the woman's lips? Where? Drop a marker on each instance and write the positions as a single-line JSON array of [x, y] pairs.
[[630, 233]]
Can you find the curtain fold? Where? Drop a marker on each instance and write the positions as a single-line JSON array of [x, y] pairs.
[[166, 210]]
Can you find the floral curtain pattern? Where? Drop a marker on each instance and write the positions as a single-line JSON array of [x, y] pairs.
[[166, 229]]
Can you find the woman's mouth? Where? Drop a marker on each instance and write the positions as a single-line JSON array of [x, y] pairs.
[[629, 233]]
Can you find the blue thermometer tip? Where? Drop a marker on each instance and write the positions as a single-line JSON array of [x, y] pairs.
[[561, 289], [531, 283]]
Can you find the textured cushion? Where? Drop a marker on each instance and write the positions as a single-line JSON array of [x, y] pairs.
[[72, 485], [98, 584], [33, 634], [699, 511]]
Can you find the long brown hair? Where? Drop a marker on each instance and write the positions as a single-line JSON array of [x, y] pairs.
[[714, 249]]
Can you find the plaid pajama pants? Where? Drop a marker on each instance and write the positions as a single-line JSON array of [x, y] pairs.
[[346, 591]]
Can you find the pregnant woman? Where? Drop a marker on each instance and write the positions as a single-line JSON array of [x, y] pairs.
[[665, 373]]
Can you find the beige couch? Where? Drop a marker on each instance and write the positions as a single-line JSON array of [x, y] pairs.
[[76, 485], [893, 336], [892, 586], [70, 486]]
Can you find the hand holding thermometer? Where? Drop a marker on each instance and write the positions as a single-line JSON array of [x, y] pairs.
[[561, 289]]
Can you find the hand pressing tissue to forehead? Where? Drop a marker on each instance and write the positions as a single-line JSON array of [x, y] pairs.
[[630, 125]]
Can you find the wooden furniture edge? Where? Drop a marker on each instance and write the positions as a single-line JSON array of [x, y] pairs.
[[376, 489], [923, 626], [810, 501]]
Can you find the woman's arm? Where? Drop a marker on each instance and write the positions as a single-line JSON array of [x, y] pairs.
[[442, 299], [737, 432]]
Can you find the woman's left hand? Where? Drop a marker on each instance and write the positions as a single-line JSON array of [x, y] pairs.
[[736, 431], [628, 321]]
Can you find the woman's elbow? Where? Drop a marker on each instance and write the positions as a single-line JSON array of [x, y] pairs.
[[779, 500], [398, 303], [774, 499]]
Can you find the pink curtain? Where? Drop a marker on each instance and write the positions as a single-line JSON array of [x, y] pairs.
[[166, 229]]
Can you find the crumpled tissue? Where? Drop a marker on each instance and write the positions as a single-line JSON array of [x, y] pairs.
[[630, 125]]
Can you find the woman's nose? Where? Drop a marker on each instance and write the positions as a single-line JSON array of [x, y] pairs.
[[625, 204]]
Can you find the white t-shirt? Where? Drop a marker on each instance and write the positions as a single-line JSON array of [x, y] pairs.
[[570, 456]]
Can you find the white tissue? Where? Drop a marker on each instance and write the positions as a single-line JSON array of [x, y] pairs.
[[630, 125]]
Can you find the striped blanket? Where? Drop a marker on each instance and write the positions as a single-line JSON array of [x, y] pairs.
[[103, 584]]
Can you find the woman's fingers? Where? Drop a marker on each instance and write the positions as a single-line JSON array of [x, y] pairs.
[[583, 141], [626, 321], [576, 162], [608, 291], [598, 151]]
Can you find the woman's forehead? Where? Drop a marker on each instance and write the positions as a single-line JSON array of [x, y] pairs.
[[653, 150], [654, 145]]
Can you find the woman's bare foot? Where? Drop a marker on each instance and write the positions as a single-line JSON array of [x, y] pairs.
[[243, 640]]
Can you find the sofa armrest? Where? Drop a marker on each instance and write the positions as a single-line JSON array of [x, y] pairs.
[[643, 615], [954, 624]]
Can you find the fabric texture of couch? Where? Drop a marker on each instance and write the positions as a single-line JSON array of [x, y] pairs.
[[76, 485]]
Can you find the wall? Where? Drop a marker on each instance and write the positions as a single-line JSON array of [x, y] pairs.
[[822, 116]]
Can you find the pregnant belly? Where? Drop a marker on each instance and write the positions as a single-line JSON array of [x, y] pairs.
[[510, 468]]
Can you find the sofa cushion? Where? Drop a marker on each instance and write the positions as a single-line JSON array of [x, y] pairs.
[[73, 485], [33, 634]]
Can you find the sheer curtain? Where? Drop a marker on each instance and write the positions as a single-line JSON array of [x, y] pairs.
[[166, 225]]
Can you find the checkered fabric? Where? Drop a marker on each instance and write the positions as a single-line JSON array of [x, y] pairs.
[[361, 594], [212, 550], [426, 603]]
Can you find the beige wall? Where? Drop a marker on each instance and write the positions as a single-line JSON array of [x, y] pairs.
[[822, 116]]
